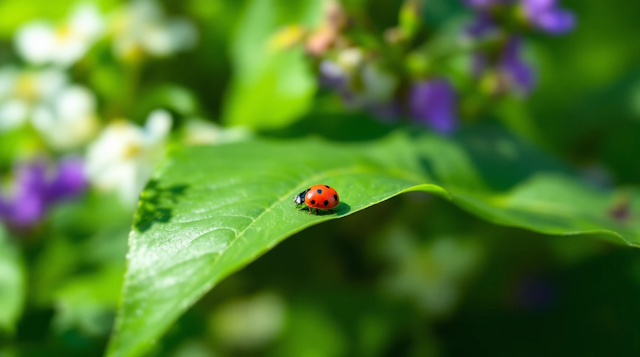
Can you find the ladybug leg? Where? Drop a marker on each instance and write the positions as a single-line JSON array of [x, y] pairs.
[[330, 211], [310, 210]]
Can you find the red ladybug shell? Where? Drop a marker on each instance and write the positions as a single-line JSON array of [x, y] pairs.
[[321, 196]]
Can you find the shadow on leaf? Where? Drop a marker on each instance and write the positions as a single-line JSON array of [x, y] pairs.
[[155, 205], [341, 209]]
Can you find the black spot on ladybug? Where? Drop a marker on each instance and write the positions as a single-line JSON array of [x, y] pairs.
[[335, 197], [313, 202], [327, 186], [326, 202], [319, 191]]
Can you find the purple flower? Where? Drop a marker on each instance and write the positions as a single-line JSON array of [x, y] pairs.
[[512, 71], [483, 4], [332, 76], [69, 182], [35, 189], [548, 17], [434, 103], [482, 25], [518, 73], [544, 15], [26, 206]]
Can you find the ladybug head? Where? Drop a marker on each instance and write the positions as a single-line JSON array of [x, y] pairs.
[[299, 198]]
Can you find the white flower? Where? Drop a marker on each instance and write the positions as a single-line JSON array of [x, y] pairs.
[[124, 155], [201, 132], [42, 42], [71, 119], [141, 27], [22, 93], [350, 59], [64, 115]]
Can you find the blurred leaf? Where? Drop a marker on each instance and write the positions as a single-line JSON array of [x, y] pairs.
[[176, 98], [505, 181], [108, 246], [270, 89], [344, 322], [61, 259], [12, 283], [606, 124], [16, 144], [209, 211], [570, 83], [15, 13], [410, 20], [438, 12], [86, 302], [97, 211], [553, 204], [249, 323], [55, 263], [312, 332], [83, 235]]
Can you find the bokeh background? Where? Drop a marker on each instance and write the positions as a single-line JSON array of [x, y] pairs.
[[93, 93]]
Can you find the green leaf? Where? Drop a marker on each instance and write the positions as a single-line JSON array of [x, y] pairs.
[[209, 211], [555, 204], [12, 283], [270, 89], [505, 181]]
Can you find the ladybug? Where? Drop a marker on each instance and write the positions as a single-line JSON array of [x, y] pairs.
[[318, 197]]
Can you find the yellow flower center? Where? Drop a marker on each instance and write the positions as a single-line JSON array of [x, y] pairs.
[[132, 151], [26, 87], [64, 32]]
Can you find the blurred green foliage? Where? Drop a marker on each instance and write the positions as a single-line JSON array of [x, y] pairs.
[[279, 85], [12, 283], [413, 276]]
